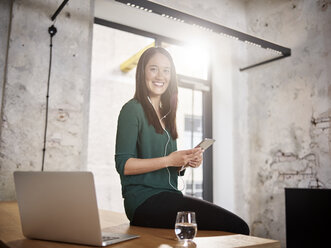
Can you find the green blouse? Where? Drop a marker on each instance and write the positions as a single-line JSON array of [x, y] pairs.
[[137, 139]]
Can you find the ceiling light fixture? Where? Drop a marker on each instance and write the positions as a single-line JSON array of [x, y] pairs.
[[178, 16]]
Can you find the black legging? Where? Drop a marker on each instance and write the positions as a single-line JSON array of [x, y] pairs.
[[160, 211]]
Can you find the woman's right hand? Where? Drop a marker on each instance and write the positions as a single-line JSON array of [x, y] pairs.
[[183, 157]]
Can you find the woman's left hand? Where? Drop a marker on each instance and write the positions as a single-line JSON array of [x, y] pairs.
[[197, 160]]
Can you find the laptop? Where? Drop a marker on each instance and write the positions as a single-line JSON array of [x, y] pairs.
[[61, 206]]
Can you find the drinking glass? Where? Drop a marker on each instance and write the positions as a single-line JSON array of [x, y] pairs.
[[186, 226]]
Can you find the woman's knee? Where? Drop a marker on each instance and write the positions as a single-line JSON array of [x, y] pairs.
[[241, 227], [245, 228]]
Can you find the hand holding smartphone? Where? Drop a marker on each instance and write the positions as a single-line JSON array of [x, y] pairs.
[[206, 143]]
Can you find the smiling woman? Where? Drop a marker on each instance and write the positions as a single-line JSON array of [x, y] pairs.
[[147, 158], [157, 73], [156, 89]]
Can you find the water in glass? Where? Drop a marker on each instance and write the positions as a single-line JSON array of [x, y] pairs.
[[185, 231], [186, 226]]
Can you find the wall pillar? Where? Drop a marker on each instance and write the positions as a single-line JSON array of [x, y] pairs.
[[25, 84]]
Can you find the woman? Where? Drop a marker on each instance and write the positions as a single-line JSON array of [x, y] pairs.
[[147, 158]]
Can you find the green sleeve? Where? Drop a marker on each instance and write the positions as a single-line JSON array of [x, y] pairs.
[[127, 135]]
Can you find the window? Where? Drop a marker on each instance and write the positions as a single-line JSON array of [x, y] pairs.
[[193, 124], [189, 123], [191, 60], [111, 87], [192, 66]]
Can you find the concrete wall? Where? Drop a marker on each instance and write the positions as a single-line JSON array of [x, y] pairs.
[[289, 111], [5, 12], [24, 88], [271, 123]]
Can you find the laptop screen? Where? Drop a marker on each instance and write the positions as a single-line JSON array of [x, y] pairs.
[[308, 217]]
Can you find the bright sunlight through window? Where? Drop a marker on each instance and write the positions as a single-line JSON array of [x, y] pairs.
[[190, 60]]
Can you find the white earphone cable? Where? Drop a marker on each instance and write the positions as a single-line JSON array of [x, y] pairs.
[[169, 179], [165, 153]]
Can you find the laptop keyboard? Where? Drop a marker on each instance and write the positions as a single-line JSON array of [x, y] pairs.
[[108, 238]]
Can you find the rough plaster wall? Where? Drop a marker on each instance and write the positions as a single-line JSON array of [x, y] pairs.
[[25, 89], [289, 110], [5, 10], [110, 90]]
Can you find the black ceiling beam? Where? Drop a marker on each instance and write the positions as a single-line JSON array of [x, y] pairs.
[[126, 28], [263, 62], [59, 9], [176, 15]]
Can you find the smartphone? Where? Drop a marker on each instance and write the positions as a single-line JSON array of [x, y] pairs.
[[206, 143]]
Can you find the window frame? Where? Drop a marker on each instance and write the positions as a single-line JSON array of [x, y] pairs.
[[190, 83]]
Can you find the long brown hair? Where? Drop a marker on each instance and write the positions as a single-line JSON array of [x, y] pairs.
[[168, 99]]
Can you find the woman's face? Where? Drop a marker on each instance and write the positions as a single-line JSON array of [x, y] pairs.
[[157, 74]]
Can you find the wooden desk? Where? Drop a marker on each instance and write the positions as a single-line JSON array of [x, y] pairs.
[[11, 234]]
